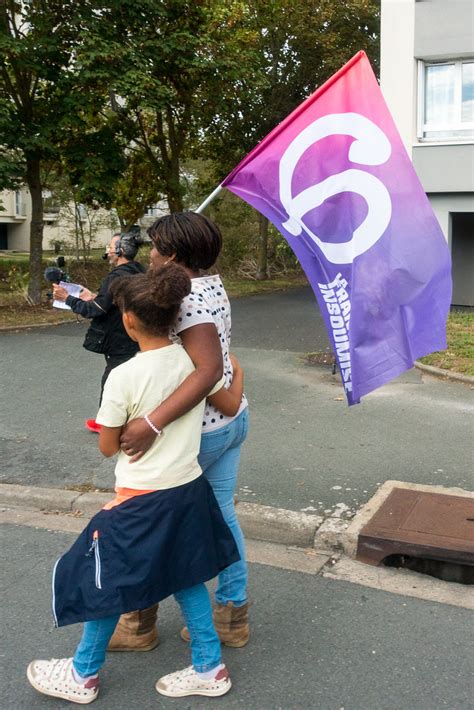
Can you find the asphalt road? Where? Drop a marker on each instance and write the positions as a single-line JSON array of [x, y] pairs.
[[315, 644], [306, 449]]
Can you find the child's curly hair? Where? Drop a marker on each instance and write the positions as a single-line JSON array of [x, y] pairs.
[[154, 298]]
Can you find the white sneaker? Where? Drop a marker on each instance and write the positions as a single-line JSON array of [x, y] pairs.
[[187, 682], [55, 678]]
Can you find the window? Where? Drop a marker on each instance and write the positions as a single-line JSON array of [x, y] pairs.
[[153, 211], [446, 105], [81, 212], [18, 204]]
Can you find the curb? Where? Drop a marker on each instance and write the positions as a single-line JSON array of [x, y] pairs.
[[10, 328], [259, 522], [445, 374]]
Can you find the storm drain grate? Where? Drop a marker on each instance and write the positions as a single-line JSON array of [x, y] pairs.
[[434, 526]]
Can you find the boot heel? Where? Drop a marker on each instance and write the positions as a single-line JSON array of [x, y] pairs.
[[136, 631]]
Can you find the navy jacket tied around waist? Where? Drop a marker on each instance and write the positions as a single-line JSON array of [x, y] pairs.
[[140, 552]]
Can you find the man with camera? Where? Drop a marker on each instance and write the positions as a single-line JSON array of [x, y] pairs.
[[106, 333]]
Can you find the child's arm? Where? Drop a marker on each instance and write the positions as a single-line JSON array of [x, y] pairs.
[[228, 401], [109, 440]]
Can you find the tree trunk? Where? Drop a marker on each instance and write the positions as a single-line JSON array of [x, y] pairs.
[[77, 227], [262, 253], [173, 187], [33, 180]]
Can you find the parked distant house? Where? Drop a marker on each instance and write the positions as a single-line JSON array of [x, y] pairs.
[[15, 217], [62, 224], [427, 78]]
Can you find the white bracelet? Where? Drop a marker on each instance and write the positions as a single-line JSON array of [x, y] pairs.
[[158, 432]]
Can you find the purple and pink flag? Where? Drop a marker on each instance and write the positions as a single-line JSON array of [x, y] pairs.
[[335, 179]]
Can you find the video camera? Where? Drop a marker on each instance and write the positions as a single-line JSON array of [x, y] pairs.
[[55, 274]]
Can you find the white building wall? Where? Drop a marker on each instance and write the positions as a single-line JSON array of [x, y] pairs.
[[16, 221], [56, 227], [62, 230], [398, 65]]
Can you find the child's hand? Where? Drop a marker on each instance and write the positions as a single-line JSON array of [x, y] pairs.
[[235, 363]]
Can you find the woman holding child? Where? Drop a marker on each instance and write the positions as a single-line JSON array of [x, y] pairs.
[[164, 533], [204, 328]]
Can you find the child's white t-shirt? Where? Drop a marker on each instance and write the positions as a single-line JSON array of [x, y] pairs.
[[135, 389], [208, 303]]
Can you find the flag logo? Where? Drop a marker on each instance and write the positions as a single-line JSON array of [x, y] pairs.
[[371, 147]]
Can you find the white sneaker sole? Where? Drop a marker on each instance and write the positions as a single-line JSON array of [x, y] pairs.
[[183, 693], [52, 693]]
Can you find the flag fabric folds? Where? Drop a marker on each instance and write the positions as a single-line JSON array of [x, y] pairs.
[[335, 179]]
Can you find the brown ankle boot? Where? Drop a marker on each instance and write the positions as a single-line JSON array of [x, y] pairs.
[[232, 625], [136, 631]]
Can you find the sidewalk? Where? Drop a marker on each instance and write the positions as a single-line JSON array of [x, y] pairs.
[[316, 643]]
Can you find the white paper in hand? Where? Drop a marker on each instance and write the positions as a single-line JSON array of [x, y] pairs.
[[72, 289]]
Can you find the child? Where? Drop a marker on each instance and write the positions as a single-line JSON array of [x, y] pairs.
[[163, 533]]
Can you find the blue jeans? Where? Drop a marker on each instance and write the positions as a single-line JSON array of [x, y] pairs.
[[197, 612], [219, 459]]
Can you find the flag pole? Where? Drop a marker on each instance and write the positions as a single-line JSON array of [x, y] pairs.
[[209, 199]]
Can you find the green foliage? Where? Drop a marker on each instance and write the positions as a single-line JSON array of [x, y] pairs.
[[52, 106], [94, 162], [138, 188], [174, 58], [118, 96], [17, 283], [294, 48]]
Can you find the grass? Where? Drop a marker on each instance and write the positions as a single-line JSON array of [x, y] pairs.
[[19, 315], [245, 287], [459, 355], [15, 311]]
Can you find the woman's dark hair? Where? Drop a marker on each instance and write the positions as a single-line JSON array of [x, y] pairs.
[[154, 298], [194, 239]]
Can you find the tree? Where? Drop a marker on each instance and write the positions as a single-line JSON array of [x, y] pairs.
[[138, 188], [79, 222], [50, 104], [176, 55], [298, 45]]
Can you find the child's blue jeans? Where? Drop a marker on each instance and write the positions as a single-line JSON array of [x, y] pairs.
[[197, 612], [219, 459]]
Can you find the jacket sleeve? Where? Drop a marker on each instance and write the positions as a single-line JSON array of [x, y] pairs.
[[99, 306]]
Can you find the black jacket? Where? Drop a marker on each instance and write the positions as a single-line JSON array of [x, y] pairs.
[[106, 333]]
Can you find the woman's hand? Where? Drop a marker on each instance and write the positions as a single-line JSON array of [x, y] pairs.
[[136, 438], [59, 293]]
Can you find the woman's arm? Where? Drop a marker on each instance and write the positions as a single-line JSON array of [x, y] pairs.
[[203, 347], [109, 440], [228, 401]]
